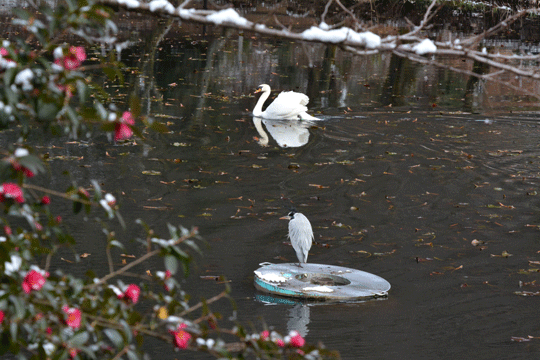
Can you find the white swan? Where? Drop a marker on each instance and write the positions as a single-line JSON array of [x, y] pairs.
[[289, 105]]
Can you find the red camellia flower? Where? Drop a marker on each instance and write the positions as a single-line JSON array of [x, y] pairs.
[[280, 343], [7, 230], [121, 129], [181, 337], [33, 281], [132, 292], [73, 59], [18, 167], [1, 316], [73, 317], [297, 340], [45, 200], [11, 191]]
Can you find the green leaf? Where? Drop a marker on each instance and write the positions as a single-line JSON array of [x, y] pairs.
[[180, 254], [20, 309], [46, 110], [135, 105], [171, 263], [77, 207], [32, 162], [115, 337], [97, 190], [110, 72], [82, 90], [132, 355], [116, 243], [79, 339]]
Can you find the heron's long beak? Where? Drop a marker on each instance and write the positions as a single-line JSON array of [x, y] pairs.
[[285, 218]]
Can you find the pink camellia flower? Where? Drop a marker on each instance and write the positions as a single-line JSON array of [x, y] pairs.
[[45, 200], [33, 281], [280, 343], [296, 339], [7, 230], [181, 337], [73, 59], [4, 52], [73, 317], [264, 335], [1, 316], [132, 292], [11, 191], [121, 129]]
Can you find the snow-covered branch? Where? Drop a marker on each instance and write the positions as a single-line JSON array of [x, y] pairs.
[[414, 44]]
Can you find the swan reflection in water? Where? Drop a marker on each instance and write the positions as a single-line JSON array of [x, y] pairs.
[[287, 133]]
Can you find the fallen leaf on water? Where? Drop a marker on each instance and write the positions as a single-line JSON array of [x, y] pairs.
[[504, 254], [128, 256], [527, 293], [151, 172], [519, 339], [319, 186], [476, 242], [211, 277], [364, 252], [419, 259], [385, 253], [85, 255], [69, 261]]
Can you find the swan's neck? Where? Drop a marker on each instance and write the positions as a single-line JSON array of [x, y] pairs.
[[257, 111], [258, 125]]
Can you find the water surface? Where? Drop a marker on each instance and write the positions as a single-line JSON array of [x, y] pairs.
[[408, 167]]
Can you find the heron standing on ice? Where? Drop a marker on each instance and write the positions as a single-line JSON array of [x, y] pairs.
[[300, 234]]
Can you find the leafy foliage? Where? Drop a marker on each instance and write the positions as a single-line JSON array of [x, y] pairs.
[[45, 84]]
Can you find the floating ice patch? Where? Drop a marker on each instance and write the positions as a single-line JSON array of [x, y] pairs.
[[324, 289], [270, 277], [228, 15], [426, 46], [161, 5]]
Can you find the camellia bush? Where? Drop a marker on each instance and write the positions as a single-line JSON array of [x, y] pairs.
[[46, 85]]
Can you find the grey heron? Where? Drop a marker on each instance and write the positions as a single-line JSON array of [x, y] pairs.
[[300, 234]]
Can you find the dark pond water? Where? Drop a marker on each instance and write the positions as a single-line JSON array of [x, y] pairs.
[[408, 167]]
